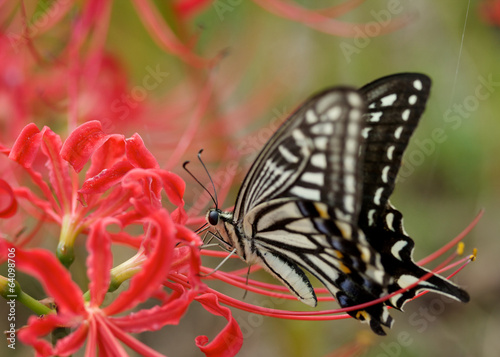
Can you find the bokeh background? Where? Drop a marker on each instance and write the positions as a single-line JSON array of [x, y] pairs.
[[266, 66]]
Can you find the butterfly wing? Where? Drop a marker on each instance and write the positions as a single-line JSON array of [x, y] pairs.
[[396, 104], [312, 156], [289, 233], [300, 202]]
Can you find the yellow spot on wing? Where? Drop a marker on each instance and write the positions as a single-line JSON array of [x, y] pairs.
[[345, 229], [344, 269], [362, 315], [365, 253], [322, 210]]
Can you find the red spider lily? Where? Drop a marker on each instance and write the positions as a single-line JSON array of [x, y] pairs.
[[122, 187], [94, 323], [121, 171]]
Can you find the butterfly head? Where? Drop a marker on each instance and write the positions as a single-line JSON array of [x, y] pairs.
[[224, 227], [213, 216]]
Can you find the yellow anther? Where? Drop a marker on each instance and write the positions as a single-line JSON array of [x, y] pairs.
[[474, 255], [460, 248]]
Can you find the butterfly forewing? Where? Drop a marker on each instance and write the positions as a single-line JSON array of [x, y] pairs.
[[313, 156], [395, 105]]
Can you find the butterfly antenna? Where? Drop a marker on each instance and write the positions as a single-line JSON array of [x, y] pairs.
[[216, 201], [221, 263], [199, 183]]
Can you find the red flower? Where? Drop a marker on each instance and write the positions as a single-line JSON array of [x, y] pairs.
[[121, 170], [122, 187], [92, 322]]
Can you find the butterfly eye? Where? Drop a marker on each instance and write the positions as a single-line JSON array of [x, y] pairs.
[[213, 217]]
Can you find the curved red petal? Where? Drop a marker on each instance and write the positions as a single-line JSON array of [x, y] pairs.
[[155, 268], [99, 260], [58, 169], [37, 328], [174, 187], [179, 215], [138, 155], [193, 241], [8, 202], [229, 341], [26, 145], [82, 143], [73, 342], [106, 178], [155, 318], [110, 152], [145, 184]]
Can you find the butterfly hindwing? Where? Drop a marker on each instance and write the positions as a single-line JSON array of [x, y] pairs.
[[290, 233], [313, 157], [389, 238]]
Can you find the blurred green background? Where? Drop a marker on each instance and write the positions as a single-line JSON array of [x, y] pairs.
[[444, 184]]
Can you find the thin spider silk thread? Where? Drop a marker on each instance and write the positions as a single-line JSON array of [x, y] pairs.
[[459, 55]]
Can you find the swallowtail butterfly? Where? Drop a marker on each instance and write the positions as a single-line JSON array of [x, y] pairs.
[[317, 198]]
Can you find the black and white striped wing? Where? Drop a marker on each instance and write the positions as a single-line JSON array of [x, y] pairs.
[[300, 202], [313, 156], [396, 104], [291, 233]]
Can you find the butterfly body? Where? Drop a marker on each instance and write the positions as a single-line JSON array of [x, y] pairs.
[[317, 198]]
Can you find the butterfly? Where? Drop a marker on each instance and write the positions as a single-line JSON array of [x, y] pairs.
[[317, 199]]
